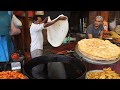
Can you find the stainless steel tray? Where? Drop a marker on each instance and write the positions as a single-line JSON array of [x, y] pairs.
[[98, 62]]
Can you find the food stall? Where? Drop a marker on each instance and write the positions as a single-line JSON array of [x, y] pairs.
[[100, 64], [66, 50], [71, 48]]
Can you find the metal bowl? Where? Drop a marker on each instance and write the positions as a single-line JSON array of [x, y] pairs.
[[92, 71], [54, 67]]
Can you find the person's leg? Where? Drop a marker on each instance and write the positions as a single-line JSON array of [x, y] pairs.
[[37, 70]]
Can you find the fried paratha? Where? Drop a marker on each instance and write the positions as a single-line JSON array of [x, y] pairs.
[[98, 49]]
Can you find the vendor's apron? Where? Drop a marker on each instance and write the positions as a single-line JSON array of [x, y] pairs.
[[5, 39]]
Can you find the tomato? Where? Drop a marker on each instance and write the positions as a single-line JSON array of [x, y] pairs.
[[15, 56]]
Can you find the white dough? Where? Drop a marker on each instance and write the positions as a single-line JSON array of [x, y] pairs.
[[57, 32]]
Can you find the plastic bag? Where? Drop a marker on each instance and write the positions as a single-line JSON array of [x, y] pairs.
[[15, 26], [16, 21]]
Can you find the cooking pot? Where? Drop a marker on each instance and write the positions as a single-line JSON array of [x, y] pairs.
[[57, 67]]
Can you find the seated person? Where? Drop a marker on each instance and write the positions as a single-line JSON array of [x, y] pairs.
[[95, 30]]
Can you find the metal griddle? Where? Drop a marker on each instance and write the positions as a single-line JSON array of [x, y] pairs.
[[97, 62]]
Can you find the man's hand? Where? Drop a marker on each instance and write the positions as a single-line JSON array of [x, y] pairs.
[[55, 20], [62, 18], [45, 20]]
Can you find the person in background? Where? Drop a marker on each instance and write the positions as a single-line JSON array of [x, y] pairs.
[[36, 46], [95, 30], [6, 46]]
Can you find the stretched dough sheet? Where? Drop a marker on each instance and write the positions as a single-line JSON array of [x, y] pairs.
[[57, 32]]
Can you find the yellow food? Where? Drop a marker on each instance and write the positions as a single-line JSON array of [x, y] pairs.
[[107, 73], [98, 49]]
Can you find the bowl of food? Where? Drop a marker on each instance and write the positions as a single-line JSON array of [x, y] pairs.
[[106, 73], [12, 75], [93, 74]]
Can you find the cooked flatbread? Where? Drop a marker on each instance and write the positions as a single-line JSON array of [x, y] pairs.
[[98, 49], [57, 32]]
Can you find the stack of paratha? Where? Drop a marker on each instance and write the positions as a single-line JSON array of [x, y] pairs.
[[97, 49]]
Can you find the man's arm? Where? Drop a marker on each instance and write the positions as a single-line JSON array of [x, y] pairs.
[[54, 21], [101, 35], [90, 36]]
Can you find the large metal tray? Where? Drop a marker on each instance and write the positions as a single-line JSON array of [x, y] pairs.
[[97, 62]]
